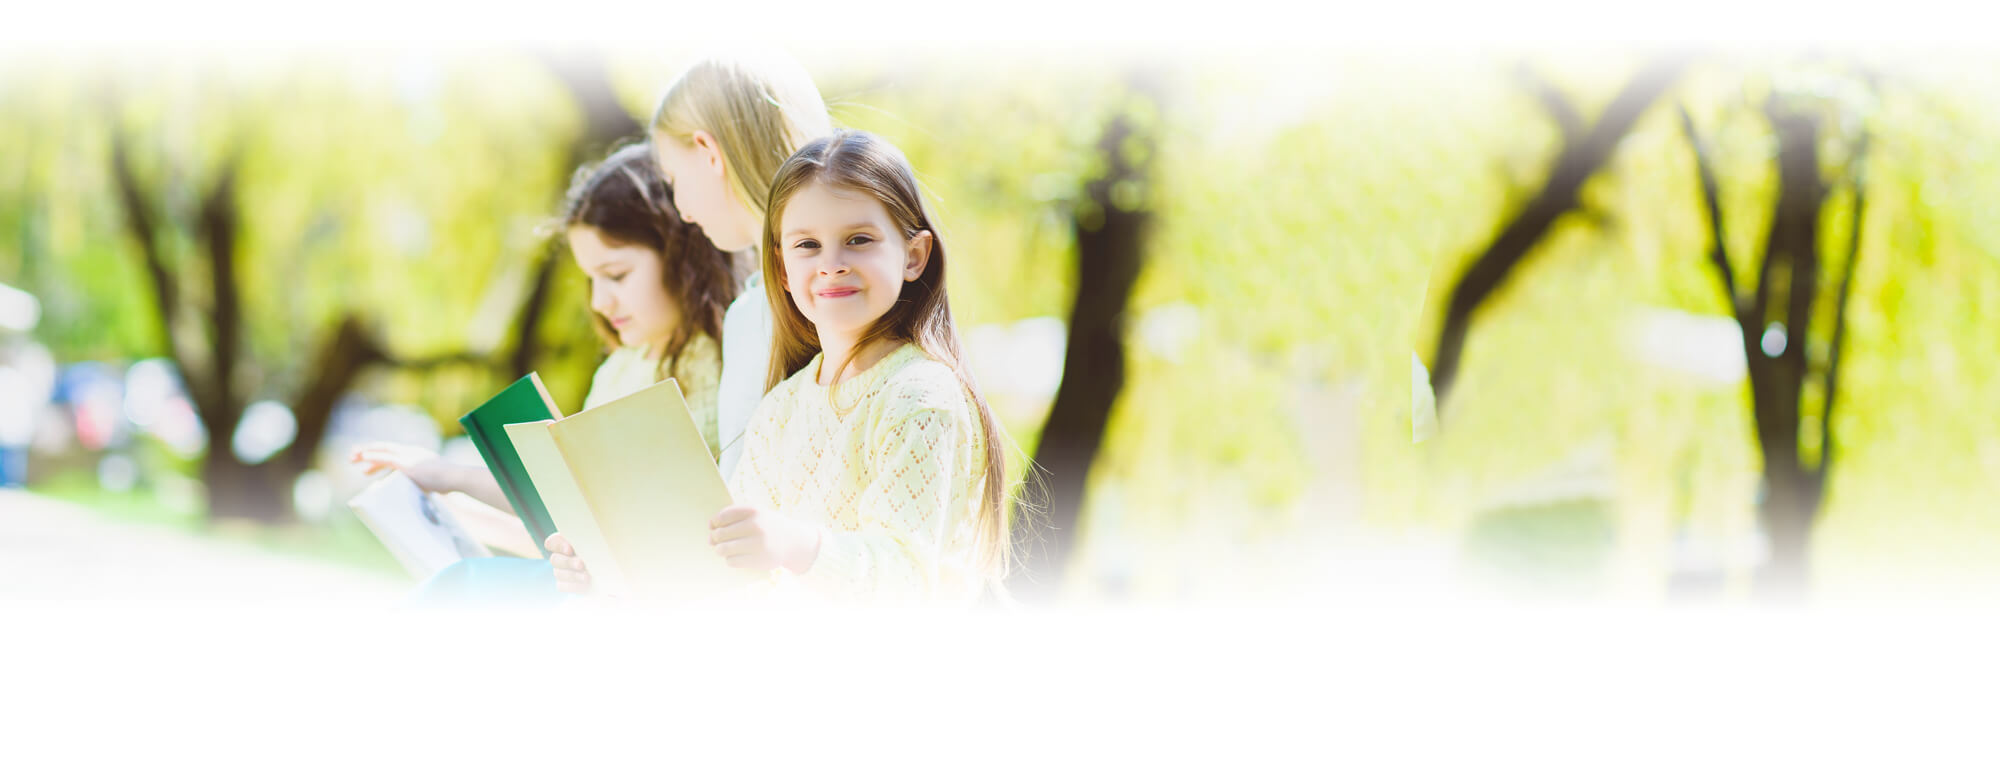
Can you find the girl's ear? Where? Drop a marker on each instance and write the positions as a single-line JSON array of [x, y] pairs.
[[918, 256], [709, 150]]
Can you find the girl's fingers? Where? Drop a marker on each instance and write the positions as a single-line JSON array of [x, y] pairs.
[[730, 516], [732, 532], [737, 547]]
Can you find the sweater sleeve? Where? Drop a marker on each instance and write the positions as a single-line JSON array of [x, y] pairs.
[[906, 514]]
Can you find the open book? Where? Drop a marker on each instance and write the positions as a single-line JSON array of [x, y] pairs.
[[522, 401], [632, 485], [415, 526]]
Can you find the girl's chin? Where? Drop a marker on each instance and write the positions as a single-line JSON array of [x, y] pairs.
[[839, 326]]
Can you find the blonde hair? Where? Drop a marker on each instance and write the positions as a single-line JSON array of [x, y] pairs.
[[759, 108], [867, 164]]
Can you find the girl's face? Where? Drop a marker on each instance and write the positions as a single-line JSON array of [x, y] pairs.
[[626, 288], [845, 259], [702, 192]]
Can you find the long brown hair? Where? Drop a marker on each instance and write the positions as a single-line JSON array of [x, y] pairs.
[[865, 163], [628, 202]]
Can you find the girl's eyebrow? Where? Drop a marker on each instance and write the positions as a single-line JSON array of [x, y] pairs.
[[850, 227]]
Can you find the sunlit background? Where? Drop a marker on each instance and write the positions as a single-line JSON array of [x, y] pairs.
[[1309, 216]]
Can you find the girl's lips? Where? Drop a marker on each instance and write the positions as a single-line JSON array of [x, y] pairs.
[[838, 292], [621, 322]]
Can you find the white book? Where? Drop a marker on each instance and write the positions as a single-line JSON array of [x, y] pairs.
[[416, 527]]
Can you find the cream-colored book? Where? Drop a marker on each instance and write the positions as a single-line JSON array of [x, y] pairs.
[[632, 486]]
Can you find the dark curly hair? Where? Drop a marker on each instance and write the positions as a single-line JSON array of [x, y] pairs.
[[629, 203]]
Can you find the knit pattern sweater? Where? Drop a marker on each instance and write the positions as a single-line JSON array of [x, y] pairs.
[[890, 462]]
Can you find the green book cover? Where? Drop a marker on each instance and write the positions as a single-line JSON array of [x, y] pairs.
[[523, 401]]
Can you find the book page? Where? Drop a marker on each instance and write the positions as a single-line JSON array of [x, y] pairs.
[[552, 473], [414, 527]]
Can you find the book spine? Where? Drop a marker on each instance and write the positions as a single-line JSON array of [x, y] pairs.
[[509, 484]]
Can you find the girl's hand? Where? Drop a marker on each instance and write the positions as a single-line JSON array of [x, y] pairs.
[[757, 539], [571, 576], [433, 474]]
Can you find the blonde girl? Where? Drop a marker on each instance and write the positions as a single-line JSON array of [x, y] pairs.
[[719, 135]]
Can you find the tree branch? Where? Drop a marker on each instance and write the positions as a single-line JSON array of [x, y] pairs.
[[1718, 252], [1553, 100], [140, 224], [340, 360], [1578, 161], [529, 319], [217, 229], [439, 361], [604, 119], [1857, 179]]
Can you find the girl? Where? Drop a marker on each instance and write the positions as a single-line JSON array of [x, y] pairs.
[[658, 289], [886, 479], [719, 135]]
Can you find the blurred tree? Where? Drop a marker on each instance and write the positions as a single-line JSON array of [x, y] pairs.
[[1787, 351], [1583, 153], [1110, 227], [205, 340], [205, 344]]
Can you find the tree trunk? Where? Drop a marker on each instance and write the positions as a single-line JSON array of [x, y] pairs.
[[1110, 251], [238, 491], [1791, 500], [1786, 290]]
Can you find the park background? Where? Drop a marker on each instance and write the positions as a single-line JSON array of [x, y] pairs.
[[1292, 238]]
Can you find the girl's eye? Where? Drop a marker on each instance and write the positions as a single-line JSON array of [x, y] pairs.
[[859, 240], [620, 277], [806, 245]]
